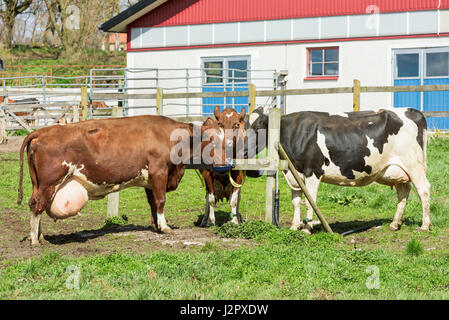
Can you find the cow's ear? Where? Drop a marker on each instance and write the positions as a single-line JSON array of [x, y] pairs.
[[242, 114], [217, 112]]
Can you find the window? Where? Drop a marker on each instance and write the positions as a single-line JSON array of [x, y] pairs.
[[223, 74], [437, 64], [226, 70], [421, 63], [214, 71], [323, 62], [408, 65]]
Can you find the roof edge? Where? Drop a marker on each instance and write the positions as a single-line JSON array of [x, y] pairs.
[[119, 22]]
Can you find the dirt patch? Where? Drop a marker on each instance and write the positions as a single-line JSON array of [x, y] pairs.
[[85, 235], [13, 145]]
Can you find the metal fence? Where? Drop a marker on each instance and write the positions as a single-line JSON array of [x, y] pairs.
[[32, 102]]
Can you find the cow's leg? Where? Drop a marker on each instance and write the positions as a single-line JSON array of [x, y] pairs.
[[152, 204], [235, 197], [159, 187], [296, 202], [35, 232], [235, 202], [312, 184], [209, 210], [38, 203], [422, 185], [403, 191]]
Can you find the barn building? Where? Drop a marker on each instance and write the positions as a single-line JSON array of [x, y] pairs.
[[214, 45]]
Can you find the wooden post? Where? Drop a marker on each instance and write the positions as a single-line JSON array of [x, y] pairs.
[[304, 189], [113, 204], [252, 98], [51, 77], [114, 198], [3, 133], [84, 104], [274, 125], [356, 93], [160, 101], [76, 114]]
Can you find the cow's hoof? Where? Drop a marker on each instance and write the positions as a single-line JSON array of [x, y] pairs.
[[235, 220], [306, 231], [35, 243], [295, 227], [423, 228], [307, 228], [395, 227], [167, 230]]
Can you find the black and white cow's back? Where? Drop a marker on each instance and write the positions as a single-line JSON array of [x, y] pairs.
[[356, 149]]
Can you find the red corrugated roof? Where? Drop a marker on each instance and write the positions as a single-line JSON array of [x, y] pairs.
[[183, 12]]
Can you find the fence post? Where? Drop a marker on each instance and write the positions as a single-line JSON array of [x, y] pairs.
[[76, 114], [84, 103], [356, 94], [3, 133], [252, 98], [160, 101], [274, 125], [281, 83], [114, 198]]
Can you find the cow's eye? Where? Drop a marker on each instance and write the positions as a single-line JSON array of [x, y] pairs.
[[237, 125]]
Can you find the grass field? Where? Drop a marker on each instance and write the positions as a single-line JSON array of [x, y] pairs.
[[126, 259]]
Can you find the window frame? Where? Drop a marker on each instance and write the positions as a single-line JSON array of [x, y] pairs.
[[422, 52], [309, 76], [225, 70]]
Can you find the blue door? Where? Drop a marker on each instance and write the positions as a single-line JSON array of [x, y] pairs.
[[225, 74], [423, 67]]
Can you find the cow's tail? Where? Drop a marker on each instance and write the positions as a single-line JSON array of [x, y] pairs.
[[25, 144]]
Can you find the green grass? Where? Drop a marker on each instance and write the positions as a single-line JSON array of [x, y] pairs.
[[273, 264], [301, 269], [414, 248]]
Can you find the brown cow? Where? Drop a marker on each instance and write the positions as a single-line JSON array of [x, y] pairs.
[[72, 164], [218, 185]]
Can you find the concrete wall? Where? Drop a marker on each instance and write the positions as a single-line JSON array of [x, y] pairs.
[[370, 61]]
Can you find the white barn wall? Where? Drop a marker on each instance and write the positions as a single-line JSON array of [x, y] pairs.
[[370, 61]]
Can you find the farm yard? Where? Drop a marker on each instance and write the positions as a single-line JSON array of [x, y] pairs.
[[124, 258], [293, 71]]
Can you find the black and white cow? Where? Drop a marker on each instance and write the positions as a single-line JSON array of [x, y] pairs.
[[354, 149]]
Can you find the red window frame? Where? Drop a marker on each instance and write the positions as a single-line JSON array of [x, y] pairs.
[[309, 76]]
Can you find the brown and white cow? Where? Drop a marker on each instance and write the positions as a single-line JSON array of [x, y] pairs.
[[72, 164], [355, 149], [218, 185]]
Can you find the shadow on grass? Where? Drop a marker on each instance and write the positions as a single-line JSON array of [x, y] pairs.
[[360, 225], [221, 217], [85, 235]]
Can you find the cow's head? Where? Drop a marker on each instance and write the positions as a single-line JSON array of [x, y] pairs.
[[212, 143], [258, 127], [233, 125]]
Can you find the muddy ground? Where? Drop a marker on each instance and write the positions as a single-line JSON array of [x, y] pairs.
[[13, 145], [87, 235]]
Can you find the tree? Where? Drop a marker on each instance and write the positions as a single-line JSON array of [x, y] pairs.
[[9, 10], [76, 21]]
